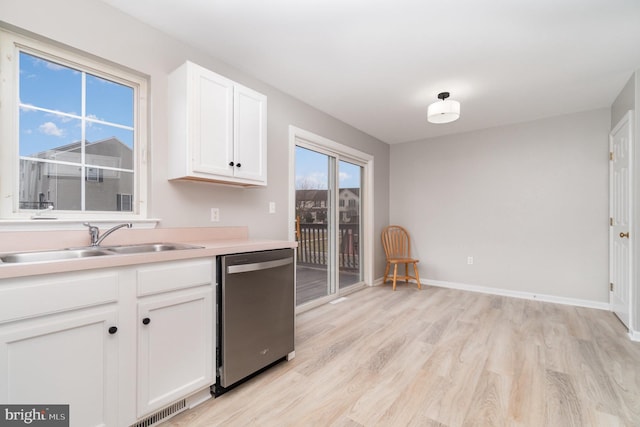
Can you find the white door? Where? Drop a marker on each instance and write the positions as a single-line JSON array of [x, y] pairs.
[[620, 142]]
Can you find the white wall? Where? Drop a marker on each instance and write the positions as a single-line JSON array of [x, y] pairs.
[[624, 102], [529, 202], [98, 29]]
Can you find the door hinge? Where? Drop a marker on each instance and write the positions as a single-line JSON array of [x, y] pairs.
[[611, 287], [611, 222], [610, 155]]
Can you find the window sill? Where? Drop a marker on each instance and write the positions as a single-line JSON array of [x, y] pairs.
[[71, 224]]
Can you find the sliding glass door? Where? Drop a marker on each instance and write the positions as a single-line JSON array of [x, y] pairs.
[[328, 212]]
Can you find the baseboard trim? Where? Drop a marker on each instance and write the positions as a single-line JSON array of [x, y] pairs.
[[377, 282], [516, 294], [519, 294], [634, 335]]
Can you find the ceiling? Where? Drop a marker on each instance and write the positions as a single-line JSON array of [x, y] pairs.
[[377, 64]]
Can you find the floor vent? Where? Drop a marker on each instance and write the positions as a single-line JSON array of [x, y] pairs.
[[162, 414]]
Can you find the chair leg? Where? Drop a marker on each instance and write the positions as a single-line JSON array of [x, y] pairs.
[[395, 275], [386, 272], [406, 272], [415, 270]]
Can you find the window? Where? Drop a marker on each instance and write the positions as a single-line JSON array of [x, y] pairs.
[[94, 174], [72, 133], [123, 202]]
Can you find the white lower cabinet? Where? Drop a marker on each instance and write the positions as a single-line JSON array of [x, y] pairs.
[[175, 347], [70, 358], [62, 349], [176, 334], [99, 340]]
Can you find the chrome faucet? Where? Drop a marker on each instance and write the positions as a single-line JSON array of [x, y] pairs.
[[94, 232]]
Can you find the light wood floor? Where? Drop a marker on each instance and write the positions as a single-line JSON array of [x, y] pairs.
[[442, 357]]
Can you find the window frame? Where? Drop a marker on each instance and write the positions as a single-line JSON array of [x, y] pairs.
[[11, 44]]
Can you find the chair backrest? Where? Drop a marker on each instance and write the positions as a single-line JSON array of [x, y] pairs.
[[396, 242]]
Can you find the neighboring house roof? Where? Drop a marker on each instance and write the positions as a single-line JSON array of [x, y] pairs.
[[355, 192], [318, 195], [92, 147], [108, 152]]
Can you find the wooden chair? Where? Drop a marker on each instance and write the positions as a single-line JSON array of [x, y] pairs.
[[397, 247]]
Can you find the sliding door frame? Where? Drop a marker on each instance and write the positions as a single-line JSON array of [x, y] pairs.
[[324, 145]]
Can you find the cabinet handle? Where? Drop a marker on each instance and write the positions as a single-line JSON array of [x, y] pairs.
[[231, 163], [146, 321], [113, 330], [238, 165]]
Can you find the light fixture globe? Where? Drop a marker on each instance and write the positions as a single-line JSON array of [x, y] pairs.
[[444, 111]]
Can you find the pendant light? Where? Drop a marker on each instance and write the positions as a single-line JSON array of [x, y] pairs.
[[444, 111]]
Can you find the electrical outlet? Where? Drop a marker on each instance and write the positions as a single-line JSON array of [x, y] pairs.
[[469, 260], [215, 215], [272, 207]]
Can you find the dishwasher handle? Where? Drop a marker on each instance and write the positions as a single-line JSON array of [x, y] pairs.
[[256, 266]]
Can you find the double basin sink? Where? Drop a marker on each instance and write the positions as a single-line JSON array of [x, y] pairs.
[[91, 251]]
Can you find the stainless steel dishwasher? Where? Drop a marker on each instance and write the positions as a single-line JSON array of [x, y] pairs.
[[256, 314]]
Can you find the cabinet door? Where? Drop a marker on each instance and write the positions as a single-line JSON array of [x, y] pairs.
[[250, 134], [175, 346], [71, 358], [211, 105]]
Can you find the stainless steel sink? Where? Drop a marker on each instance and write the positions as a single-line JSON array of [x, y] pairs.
[[150, 247], [90, 251], [56, 255]]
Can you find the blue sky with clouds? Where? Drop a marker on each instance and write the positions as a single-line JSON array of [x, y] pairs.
[[312, 171], [58, 89]]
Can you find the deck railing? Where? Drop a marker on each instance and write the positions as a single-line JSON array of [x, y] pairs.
[[313, 245]]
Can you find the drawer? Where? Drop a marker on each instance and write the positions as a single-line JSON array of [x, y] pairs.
[[23, 298], [169, 276]]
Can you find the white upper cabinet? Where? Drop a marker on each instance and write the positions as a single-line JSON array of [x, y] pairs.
[[250, 134], [211, 127], [217, 128]]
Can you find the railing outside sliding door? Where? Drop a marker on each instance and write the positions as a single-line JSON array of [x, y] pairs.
[[312, 249]]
